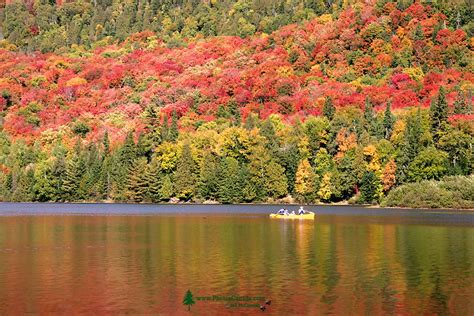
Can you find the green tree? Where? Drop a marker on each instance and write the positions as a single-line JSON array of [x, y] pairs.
[[185, 177], [167, 188], [73, 176], [173, 131], [430, 163], [439, 113], [137, 184], [329, 109], [230, 181], [388, 121], [188, 300], [208, 183], [369, 187], [369, 116], [153, 178]]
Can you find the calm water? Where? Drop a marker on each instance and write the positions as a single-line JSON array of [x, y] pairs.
[[143, 259]]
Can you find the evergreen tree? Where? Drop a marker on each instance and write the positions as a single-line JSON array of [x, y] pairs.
[[439, 113], [173, 131], [230, 181], [329, 110], [369, 117], [388, 121], [167, 188], [276, 184], [75, 170], [267, 130], [185, 175], [153, 177], [208, 184], [289, 157], [137, 184], [413, 134], [460, 105], [250, 123], [164, 131], [106, 144], [368, 188]]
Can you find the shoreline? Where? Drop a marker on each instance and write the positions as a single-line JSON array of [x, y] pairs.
[[215, 204]]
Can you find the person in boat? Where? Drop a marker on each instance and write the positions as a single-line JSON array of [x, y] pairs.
[[293, 213], [301, 211], [286, 212], [281, 211]]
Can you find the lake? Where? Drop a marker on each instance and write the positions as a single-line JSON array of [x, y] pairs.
[[142, 259]]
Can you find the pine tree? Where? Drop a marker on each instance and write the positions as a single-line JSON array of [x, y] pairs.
[[369, 117], [388, 121], [173, 131], [230, 181], [439, 113], [413, 135], [368, 188], [185, 175], [154, 180], [329, 110], [208, 183], [188, 300], [276, 184], [267, 130], [106, 144], [74, 173], [137, 185], [164, 131], [460, 105], [250, 123], [153, 125], [167, 188]]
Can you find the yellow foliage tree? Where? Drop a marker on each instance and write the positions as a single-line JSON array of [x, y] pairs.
[[388, 175], [324, 191], [304, 184]]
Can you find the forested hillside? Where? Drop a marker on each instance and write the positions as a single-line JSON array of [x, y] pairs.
[[57, 25], [344, 106]]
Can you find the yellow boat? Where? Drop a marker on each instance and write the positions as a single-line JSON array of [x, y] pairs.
[[307, 215]]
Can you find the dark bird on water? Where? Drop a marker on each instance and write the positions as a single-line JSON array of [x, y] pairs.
[[268, 302], [262, 308]]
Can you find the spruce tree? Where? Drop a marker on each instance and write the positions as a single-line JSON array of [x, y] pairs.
[[167, 188], [329, 110], [164, 131], [173, 131], [229, 183], [368, 188], [250, 122], [185, 175], [74, 173], [137, 185], [369, 117], [413, 134], [106, 144], [388, 121], [267, 130], [460, 104], [439, 113], [208, 182], [153, 178]]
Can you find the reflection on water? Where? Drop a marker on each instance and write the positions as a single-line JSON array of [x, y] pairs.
[[145, 264]]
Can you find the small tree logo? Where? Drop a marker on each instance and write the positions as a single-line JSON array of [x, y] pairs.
[[188, 299]]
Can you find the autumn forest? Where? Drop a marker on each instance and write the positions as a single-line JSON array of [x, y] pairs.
[[238, 101]]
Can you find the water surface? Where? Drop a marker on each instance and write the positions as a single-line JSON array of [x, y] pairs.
[[57, 258]]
